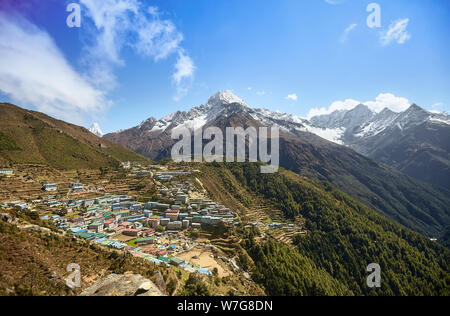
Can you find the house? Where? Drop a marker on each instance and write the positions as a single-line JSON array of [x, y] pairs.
[[88, 203], [7, 172], [174, 226], [96, 227], [153, 222], [176, 261], [142, 173], [75, 186], [110, 224], [159, 206], [181, 198], [50, 187], [172, 216], [78, 221], [164, 221], [147, 232], [145, 241], [131, 232], [126, 224], [164, 177], [136, 207]]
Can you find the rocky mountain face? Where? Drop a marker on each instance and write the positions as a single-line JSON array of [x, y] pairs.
[[415, 141], [304, 148]]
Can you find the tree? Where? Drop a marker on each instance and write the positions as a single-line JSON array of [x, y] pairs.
[[195, 287]]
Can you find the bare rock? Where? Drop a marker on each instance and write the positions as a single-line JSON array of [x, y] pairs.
[[123, 285], [159, 281], [8, 218]]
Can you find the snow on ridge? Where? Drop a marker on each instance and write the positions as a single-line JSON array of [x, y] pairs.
[[193, 124], [332, 135], [439, 120], [95, 129]]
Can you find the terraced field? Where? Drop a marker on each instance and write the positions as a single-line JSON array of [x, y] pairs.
[[27, 183]]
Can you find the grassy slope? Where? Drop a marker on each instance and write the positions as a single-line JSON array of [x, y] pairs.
[[343, 237], [28, 137]]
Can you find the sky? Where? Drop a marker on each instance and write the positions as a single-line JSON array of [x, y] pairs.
[[133, 59]]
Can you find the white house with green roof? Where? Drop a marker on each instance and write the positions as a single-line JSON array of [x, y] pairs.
[[7, 172]]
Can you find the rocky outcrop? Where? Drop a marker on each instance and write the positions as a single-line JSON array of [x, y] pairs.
[[8, 218], [123, 285], [159, 281]]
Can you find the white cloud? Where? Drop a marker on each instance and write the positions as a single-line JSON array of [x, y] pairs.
[[397, 32], [382, 101], [33, 72], [261, 92], [347, 31], [390, 101], [128, 23], [292, 97], [348, 104], [184, 72], [154, 11]]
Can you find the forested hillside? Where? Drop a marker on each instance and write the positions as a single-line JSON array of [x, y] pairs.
[[343, 238]]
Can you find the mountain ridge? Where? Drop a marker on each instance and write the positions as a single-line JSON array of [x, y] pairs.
[[414, 141], [32, 137]]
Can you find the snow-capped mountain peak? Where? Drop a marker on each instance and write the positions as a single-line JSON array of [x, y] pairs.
[[224, 98], [95, 129], [221, 103]]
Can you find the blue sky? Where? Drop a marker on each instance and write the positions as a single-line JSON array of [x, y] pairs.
[[120, 67]]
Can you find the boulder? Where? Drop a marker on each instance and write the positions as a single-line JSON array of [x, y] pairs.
[[123, 285]]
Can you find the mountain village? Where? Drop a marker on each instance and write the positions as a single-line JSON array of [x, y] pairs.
[[165, 231]]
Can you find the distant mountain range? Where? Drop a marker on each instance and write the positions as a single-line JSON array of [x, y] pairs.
[[29, 137], [305, 148], [415, 141]]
